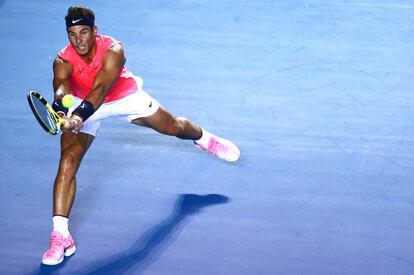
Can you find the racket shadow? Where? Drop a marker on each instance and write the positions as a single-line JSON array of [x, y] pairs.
[[147, 248]]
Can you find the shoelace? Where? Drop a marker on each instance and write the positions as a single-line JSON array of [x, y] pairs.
[[54, 243]]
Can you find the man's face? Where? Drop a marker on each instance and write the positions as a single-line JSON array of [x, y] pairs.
[[82, 38]]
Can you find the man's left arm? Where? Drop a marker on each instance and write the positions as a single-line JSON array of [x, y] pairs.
[[113, 61]]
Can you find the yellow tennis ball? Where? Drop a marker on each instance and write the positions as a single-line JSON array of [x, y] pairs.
[[68, 101]]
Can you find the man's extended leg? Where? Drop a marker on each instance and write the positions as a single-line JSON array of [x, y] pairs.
[[162, 121], [73, 148]]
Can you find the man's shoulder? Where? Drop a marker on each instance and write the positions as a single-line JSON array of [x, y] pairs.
[[107, 41], [105, 38], [66, 52]]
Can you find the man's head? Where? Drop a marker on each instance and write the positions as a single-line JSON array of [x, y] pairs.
[[80, 25]]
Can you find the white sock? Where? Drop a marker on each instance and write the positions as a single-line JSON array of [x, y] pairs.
[[205, 138], [60, 224]]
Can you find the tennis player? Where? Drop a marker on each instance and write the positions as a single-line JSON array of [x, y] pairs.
[[91, 68]]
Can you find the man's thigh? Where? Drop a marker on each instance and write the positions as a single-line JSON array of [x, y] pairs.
[[162, 121]]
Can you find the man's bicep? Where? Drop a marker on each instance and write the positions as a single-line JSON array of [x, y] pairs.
[[61, 69], [61, 74], [113, 62]]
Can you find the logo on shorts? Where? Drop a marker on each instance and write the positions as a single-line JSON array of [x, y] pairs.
[[150, 105]]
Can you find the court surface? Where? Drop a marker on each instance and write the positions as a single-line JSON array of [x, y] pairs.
[[318, 95]]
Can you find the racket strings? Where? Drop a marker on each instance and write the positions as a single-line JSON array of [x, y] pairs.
[[44, 113]]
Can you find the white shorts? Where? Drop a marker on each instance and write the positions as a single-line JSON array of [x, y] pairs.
[[133, 106]]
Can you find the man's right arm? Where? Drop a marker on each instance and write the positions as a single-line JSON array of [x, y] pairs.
[[62, 71]]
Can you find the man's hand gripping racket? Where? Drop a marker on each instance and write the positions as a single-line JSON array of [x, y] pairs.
[[50, 120]]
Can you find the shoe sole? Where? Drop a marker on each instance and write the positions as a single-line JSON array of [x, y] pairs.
[[46, 262], [68, 252]]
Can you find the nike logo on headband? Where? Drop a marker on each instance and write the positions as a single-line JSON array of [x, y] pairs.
[[76, 21], [79, 20]]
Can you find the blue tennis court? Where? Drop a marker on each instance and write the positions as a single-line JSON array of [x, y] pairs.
[[318, 95]]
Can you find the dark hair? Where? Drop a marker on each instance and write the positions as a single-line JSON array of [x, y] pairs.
[[76, 11]]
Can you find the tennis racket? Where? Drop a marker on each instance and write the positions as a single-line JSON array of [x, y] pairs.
[[44, 113]]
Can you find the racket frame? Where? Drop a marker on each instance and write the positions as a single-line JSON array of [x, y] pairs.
[[56, 118]]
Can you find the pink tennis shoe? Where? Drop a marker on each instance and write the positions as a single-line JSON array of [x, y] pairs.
[[222, 148], [59, 247]]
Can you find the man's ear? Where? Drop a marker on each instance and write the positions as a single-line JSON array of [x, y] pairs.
[[95, 30]]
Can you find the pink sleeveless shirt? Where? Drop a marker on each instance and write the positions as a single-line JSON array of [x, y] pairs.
[[83, 74]]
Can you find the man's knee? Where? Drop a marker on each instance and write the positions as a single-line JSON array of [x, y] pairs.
[[177, 127], [70, 158]]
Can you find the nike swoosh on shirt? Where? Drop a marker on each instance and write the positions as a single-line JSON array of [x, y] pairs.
[[76, 21]]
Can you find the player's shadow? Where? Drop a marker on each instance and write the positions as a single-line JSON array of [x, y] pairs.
[[147, 248], [52, 269]]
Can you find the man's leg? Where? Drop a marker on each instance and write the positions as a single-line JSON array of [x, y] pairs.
[[163, 122], [73, 148]]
